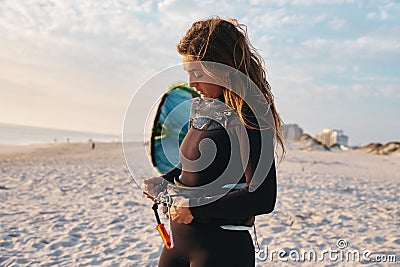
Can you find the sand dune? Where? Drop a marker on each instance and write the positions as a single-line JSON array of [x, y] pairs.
[[69, 205], [307, 143], [386, 149]]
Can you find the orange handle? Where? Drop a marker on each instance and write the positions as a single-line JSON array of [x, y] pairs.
[[165, 236]]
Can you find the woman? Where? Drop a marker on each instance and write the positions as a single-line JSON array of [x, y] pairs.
[[212, 230]]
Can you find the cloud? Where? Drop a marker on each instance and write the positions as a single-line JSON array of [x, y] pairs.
[[385, 10], [337, 23], [382, 15], [354, 47], [311, 2], [323, 2], [92, 55]]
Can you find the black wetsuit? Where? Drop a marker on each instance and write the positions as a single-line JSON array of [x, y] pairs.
[[203, 242]]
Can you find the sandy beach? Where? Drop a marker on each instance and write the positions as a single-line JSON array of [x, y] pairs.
[[69, 205]]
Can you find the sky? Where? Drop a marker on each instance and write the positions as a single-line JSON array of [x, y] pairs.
[[76, 64]]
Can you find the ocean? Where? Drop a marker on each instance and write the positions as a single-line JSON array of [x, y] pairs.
[[11, 134]]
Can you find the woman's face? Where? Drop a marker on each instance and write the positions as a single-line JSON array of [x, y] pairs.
[[199, 80]]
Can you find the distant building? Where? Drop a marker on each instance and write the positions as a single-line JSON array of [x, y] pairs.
[[329, 137], [291, 131]]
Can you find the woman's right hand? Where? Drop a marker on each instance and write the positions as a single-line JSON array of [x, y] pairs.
[[151, 187]]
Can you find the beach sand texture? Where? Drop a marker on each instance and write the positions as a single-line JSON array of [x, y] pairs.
[[69, 205]]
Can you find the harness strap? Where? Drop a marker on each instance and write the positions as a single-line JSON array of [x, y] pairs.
[[161, 229]]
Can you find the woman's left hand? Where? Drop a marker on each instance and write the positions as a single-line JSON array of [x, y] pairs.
[[180, 211]]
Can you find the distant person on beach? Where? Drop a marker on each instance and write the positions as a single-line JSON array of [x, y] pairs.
[[217, 233], [92, 143]]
